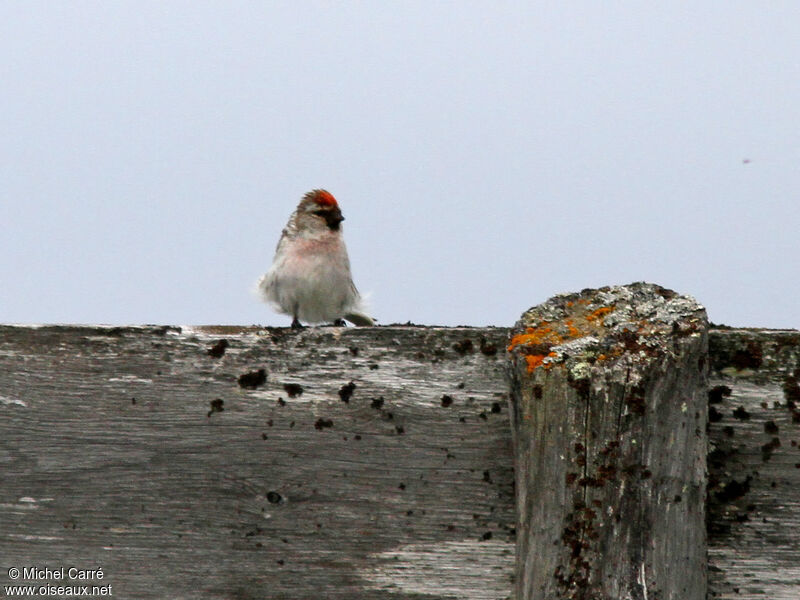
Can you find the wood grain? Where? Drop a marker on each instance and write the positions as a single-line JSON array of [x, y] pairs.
[[135, 450], [754, 465]]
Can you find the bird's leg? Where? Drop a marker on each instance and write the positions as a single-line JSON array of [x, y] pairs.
[[296, 324], [339, 323]]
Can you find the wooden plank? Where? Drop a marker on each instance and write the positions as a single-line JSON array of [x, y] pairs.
[[609, 391], [174, 503], [754, 465], [369, 461]]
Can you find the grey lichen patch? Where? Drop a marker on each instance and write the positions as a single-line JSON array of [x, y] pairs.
[[618, 327]]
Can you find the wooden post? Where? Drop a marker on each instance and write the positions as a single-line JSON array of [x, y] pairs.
[[609, 410]]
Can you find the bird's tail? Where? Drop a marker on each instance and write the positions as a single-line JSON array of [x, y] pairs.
[[360, 319]]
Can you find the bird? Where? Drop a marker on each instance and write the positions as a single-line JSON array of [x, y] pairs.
[[310, 277]]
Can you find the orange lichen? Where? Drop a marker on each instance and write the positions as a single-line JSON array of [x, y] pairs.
[[534, 361], [573, 331], [599, 313], [536, 342], [544, 334]]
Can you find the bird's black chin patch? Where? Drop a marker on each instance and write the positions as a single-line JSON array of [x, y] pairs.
[[333, 217]]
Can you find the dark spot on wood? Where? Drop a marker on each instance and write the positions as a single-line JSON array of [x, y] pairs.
[[770, 427], [665, 293], [447, 400], [488, 348], [487, 477], [399, 429], [356, 437], [749, 358], [630, 469], [373, 366], [218, 349], [734, 490], [377, 403], [606, 472], [274, 498], [590, 482], [537, 392], [768, 448], [791, 391], [217, 405], [354, 350], [677, 498], [714, 416], [647, 474], [636, 404], [253, 379], [323, 424], [464, 346], [486, 536], [610, 448], [582, 386], [281, 402], [496, 407], [402, 486], [133, 400], [483, 416], [346, 392], [741, 414], [718, 393], [293, 389], [728, 430], [264, 436]]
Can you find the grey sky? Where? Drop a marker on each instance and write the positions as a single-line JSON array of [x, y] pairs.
[[486, 155]]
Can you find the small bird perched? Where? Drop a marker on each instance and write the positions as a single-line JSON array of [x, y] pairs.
[[310, 275]]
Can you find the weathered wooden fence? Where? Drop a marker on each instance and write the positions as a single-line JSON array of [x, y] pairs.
[[243, 462]]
